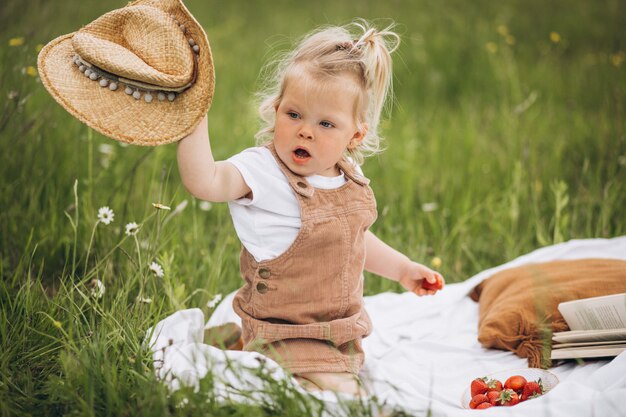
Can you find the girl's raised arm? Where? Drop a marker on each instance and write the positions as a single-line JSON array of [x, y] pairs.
[[201, 175]]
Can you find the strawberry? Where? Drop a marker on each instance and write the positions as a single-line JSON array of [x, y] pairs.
[[483, 406], [493, 397], [437, 285], [494, 385], [478, 399], [508, 397], [479, 386], [532, 389], [516, 383]]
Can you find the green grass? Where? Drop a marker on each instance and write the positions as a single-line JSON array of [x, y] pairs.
[[520, 144]]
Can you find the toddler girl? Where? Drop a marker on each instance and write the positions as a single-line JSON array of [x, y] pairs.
[[302, 207]]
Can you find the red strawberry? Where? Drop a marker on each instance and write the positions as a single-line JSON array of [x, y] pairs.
[[478, 399], [483, 406], [494, 385], [479, 386], [532, 389], [437, 285], [508, 397], [493, 397], [516, 383]]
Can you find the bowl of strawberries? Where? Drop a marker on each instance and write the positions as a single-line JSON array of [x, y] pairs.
[[508, 388]]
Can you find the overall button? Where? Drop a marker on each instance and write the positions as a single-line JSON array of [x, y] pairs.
[[302, 184], [261, 287], [264, 273]]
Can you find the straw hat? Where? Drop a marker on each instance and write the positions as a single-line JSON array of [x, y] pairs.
[[142, 74]]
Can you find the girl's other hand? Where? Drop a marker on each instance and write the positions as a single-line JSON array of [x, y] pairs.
[[413, 276]]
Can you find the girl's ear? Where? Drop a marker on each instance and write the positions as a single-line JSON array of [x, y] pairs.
[[358, 136]]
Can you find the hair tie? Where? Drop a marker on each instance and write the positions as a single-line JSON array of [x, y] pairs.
[[349, 46], [367, 37], [345, 46]]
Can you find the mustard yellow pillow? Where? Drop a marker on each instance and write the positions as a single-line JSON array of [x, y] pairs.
[[518, 306]]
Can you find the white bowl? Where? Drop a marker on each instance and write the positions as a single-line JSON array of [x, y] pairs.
[[548, 380]]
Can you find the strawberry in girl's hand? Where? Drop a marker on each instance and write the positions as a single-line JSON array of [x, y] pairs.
[[437, 285], [516, 383], [508, 397], [532, 389], [482, 406]]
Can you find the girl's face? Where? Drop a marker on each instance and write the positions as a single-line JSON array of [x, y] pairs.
[[315, 124]]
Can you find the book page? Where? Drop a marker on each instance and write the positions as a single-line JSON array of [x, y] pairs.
[[587, 352], [578, 336], [588, 344], [608, 312]]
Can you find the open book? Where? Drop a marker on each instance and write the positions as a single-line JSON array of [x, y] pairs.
[[598, 328]]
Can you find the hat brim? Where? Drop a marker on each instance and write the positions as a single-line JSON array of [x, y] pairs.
[[118, 115]]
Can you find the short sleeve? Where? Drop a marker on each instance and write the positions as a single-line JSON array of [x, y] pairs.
[[258, 170]]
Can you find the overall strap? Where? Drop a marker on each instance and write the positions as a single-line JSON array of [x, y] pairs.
[[350, 172], [299, 184]]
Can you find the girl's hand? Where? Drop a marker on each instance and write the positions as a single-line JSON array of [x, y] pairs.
[[413, 276]]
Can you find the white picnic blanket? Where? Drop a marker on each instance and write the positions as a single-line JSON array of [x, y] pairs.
[[422, 354]]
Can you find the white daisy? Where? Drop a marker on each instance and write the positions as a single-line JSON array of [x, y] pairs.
[[428, 207], [105, 215], [144, 300], [97, 288], [105, 149], [157, 269], [132, 228], [205, 205], [214, 301]]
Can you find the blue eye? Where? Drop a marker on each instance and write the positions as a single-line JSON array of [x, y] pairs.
[[292, 115], [326, 124]]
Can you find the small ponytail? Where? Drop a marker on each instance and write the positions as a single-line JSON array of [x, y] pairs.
[[377, 47]]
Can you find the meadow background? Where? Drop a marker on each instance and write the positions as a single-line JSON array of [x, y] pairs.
[[507, 133]]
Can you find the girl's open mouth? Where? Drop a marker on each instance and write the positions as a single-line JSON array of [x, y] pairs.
[[300, 156]]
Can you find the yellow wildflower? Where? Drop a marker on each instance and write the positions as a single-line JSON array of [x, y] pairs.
[[160, 206], [510, 39], [618, 58], [16, 41], [57, 324], [503, 30], [491, 47], [31, 71], [39, 47], [436, 262], [555, 37]]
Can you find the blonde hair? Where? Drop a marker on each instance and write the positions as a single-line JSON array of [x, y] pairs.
[[356, 49]]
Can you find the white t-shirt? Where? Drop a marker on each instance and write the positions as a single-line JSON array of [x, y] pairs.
[[268, 223]]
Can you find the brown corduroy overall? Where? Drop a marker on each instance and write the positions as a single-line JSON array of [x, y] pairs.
[[304, 308]]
